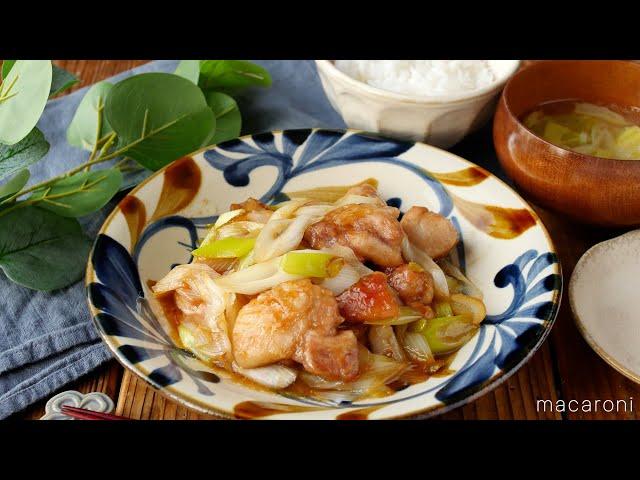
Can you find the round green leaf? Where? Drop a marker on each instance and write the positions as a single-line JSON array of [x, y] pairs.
[[189, 69], [6, 67], [23, 96], [232, 74], [159, 117], [61, 80], [84, 125], [30, 149], [80, 194], [228, 118], [14, 185], [41, 250]]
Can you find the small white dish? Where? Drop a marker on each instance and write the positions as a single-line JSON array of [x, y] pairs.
[[438, 120], [604, 298]]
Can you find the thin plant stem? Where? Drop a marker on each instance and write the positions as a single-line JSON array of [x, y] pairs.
[[73, 171], [94, 151]]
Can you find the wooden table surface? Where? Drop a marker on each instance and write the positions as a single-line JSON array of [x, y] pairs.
[[563, 368]]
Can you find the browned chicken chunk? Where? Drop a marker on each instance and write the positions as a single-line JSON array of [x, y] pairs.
[[414, 286], [429, 231], [412, 283], [255, 211], [295, 320], [372, 232]]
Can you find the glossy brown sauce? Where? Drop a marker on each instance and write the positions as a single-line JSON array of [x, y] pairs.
[[250, 410], [359, 414]]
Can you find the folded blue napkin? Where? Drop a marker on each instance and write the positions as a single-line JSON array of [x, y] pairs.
[[47, 339]]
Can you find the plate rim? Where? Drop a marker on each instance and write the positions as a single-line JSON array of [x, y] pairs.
[[424, 413]]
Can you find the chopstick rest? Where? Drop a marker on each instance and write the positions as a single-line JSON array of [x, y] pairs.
[[94, 401]]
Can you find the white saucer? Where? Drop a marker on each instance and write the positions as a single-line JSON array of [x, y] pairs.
[[604, 293]]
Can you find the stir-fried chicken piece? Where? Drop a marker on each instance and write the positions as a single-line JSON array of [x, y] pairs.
[[369, 299], [372, 232], [295, 320], [412, 283], [429, 231], [254, 211], [414, 286], [331, 356]]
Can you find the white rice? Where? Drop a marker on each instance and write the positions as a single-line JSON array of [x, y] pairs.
[[421, 77]]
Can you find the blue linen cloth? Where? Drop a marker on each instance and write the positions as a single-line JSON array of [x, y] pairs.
[[47, 339]]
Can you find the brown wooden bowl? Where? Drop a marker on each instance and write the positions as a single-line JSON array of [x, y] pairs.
[[589, 189]]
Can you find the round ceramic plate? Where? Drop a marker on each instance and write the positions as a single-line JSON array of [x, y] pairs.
[[601, 293], [504, 250]]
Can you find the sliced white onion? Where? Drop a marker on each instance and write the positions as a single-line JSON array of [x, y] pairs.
[[238, 229], [350, 273], [226, 217], [315, 210], [288, 208], [467, 305], [280, 237], [247, 261], [411, 253], [349, 256], [256, 278], [271, 376], [417, 347], [347, 276], [264, 245], [383, 342], [469, 287], [318, 382]]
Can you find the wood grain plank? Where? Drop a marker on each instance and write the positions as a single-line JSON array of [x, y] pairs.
[[516, 398], [140, 401], [92, 71]]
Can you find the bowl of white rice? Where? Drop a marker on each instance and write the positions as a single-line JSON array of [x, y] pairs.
[[435, 101]]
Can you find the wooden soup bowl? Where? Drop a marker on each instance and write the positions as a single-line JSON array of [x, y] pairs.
[[588, 189]]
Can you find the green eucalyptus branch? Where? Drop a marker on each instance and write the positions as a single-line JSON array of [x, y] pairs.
[[129, 123]]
